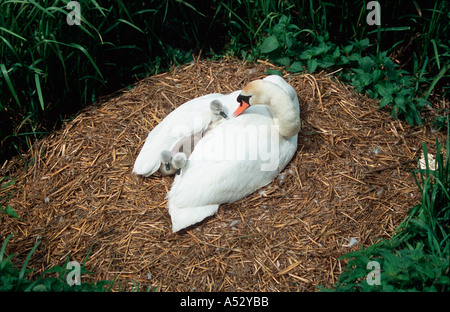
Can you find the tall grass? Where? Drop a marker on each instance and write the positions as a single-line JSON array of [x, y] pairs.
[[50, 69]]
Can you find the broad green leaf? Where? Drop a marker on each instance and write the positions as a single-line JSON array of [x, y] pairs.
[[306, 55], [385, 101], [366, 63], [376, 74], [296, 67], [283, 61], [354, 57], [311, 65], [324, 64], [347, 49], [400, 102], [336, 53], [270, 44]]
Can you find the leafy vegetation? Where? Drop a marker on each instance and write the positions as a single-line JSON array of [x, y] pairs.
[[417, 257], [49, 69], [14, 279], [376, 75], [66, 280]]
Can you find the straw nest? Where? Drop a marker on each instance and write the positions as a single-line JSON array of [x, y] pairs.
[[348, 179]]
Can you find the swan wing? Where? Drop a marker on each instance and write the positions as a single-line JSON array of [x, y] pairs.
[[237, 158], [189, 118]]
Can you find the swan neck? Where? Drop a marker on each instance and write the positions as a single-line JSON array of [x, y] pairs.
[[286, 112]]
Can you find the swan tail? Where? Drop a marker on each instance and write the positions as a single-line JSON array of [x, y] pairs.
[[184, 217], [146, 164]]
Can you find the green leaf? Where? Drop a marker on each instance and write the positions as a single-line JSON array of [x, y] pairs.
[[39, 90], [347, 49], [354, 57], [296, 67], [366, 63], [12, 33], [2, 250], [336, 53], [384, 89], [376, 74], [385, 101], [366, 79], [325, 64], [25, 264], [400, 102], [130, 24], [283, 61], [364, 43], [311, 65], [270, 44], [306, 55], [9, 83], [10, 212], [273, 72], [40, 288], [86, 53], [319, 50]]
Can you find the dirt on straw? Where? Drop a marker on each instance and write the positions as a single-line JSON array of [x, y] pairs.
[[349, 178]]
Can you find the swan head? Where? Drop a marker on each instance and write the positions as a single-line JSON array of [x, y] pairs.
[[179, 161], [166, 158], [217, 108], [252, 94], [284, 105]]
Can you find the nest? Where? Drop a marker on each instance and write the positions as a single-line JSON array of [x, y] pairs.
[[349, 179]]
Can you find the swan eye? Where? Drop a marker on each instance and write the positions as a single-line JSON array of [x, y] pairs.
[[243, 98]]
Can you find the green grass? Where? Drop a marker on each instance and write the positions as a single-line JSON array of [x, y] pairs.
[[14, 278], [49, 69], [56, 279]]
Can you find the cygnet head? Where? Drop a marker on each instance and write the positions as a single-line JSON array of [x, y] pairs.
[[179, 161], [166, 158], [217, 108]]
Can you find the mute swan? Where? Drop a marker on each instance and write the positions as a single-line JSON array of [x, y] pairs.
[[240, 155], [172, 165], [181, 127]]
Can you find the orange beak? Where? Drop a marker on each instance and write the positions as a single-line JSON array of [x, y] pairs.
[[242, 107]]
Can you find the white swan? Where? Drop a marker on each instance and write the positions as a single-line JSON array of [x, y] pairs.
[[181, 128], [240, 155]]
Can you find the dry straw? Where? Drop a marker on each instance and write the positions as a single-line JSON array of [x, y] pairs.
[[348, 179]]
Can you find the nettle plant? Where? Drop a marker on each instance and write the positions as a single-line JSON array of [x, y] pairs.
[[375, 75]]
